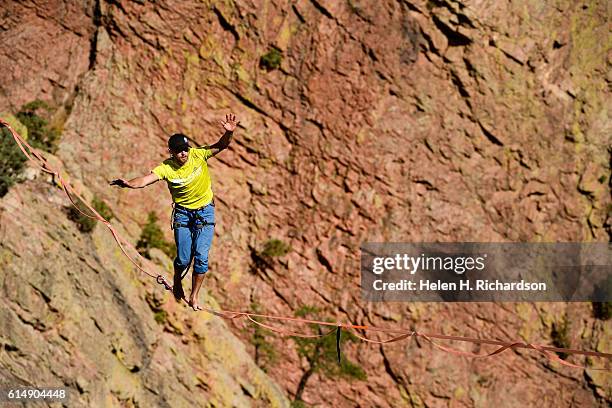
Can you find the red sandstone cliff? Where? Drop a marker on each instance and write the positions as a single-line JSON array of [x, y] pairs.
[[385, 121]]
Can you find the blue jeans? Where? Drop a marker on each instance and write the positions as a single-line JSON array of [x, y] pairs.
[[193, 234]]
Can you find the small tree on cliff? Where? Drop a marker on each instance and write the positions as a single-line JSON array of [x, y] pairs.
[[153, 237], [41, 134], [265, 353], [320, 354], [12, 161]]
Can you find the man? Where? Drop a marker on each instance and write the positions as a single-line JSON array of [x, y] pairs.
[[193, 218]]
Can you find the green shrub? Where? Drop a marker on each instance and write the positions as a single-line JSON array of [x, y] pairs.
[[320, 353], [274, 248], [160, 316], [602, 310], [102, 208], [156, 304], [12, 161], [560, 335], [265, 353], [153, 237], [263, 260], [85, 223], [307, 310], [271, 60], [34, 116]]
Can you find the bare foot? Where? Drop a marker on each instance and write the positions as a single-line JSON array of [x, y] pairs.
[[194, 305]]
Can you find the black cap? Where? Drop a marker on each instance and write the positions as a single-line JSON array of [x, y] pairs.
[[178, 142]]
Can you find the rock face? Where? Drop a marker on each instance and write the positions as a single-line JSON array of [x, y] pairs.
[[412, 121]]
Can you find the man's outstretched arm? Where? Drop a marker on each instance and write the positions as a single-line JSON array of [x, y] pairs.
[[138, 182], [229, 124]]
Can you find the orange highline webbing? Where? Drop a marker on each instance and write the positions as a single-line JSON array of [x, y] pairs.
[[548, 351], [69, 191]]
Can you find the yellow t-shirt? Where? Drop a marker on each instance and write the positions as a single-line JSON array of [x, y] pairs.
[[189, 184]]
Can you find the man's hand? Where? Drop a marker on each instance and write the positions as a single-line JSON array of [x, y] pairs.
[[230, 124], [138, 182], [121, 183]]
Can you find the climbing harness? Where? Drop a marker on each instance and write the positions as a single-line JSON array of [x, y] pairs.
[[199, 225]]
